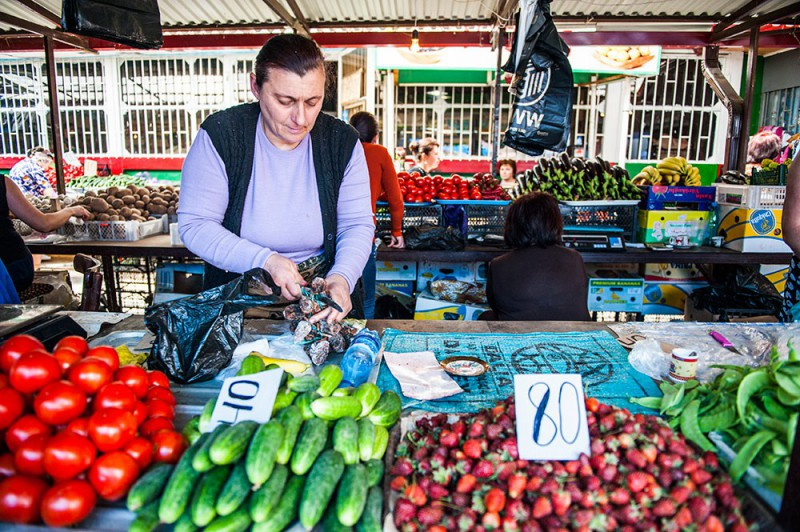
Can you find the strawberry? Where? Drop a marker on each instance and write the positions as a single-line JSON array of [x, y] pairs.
[[516, 485], [402, 467], [429, 515], [505, 421], [668, 461], [608, 423], [416, 495], [664, 508], [505, 470], [448, 438], [572, 466], [636, 481], [700, 509], [678, 447], [476, 429], [459, 427], [626, 441], [466, 519], [466, 484], [608, 473], [443, 475], [690, 465], [711, 460], [561, 502], [493, 431], [701, 476], [491, 520], [398, 483], [421, 453], [628, 514], [518, 510], [713, 524], [437, 528], [592, 404], [650, 453], [582, 518], [404, 511], [665, 479], [510, 524], [534, 483], [483, 469], [437, 491], [683, 518], [619, 496], [550, 486], [474, 448], [498, 410], [541, 508], [494, 500], [680, 494], [509, 445]]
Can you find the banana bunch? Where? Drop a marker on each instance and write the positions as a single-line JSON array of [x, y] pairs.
[[648, 176], [677, 171]]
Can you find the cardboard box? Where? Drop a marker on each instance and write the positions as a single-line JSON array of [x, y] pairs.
[[752, 230], [776, 273], [404, 287], [673, 227], [667, 298], [622, 294], [695, 198], [430, 271], [396, 270], [612, 270], [672, 272], [430, 308]]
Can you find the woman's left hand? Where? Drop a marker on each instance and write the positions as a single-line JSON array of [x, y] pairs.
[[339, 291], [397, 242]]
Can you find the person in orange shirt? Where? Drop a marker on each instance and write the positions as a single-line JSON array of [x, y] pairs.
[[382, 179]]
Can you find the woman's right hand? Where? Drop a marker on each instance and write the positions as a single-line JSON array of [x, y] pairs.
[[285, 274], [78, 212], [397, 242]]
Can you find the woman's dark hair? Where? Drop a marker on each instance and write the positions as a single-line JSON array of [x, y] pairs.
[[509, 162], [366, 124], [290, 52], [534, 220], [422, 147]]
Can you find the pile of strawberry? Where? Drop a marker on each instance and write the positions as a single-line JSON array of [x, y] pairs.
[[467, 475], [75, 426], [489, 187]]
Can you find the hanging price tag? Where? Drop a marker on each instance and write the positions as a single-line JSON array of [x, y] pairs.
[[551, 417], [249, 397]]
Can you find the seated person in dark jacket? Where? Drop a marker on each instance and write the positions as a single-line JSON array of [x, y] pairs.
[[540, 279]]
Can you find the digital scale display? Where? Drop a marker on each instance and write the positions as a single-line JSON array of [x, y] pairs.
[[593, 242]]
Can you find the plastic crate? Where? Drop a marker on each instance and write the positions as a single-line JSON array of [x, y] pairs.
[[115, 231], [21, 227], [775, 177], [751, 197], [483, 217], [621, 214], [416, 214]]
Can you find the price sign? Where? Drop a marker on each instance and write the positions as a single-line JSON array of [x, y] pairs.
[[551, 417], [248, 397]]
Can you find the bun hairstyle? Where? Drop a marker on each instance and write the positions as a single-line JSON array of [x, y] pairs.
[[290, 52], [366, 124], [422, 147], [40, 154]]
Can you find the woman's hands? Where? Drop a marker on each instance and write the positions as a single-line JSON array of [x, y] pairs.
[[339, 291], [78, 212], [397, 242], [285, 274]]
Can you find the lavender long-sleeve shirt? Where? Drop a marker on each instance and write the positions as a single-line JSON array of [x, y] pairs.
[[281, 210]]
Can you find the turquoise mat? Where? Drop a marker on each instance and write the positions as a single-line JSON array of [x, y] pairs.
[[596, 355]]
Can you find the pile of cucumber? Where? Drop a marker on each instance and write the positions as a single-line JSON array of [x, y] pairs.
[[319, 460]]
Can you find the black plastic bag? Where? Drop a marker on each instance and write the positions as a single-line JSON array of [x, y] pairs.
[[432, 237], [136, 24], [738, 289], [542, 110], [196, 336]]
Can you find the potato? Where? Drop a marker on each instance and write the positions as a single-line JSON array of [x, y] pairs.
[[126, 212], [121, 192], [90, 194], [112, 212], [117, 203], [158, 209], [133, 188], [99, 205], [146, 213], [145, 198], [142, 191], [139, 204], [171, 210], [128, 199], [117, 218], [103, 217], [136, 212], [112, 190], [109, 198]]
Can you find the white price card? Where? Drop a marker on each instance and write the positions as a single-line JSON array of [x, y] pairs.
[[247, 397], [551, 417]]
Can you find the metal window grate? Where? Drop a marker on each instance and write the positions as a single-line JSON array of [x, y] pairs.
[[81, 105], [782, 108], [588, 111], [22, 106]]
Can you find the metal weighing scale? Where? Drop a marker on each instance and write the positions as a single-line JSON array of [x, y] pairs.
[[39, 321], [593, 238]]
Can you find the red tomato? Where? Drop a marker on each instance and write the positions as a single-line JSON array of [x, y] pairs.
[[11, 406], [427, 198], [28, 456], [162, 394], [66, 356], [67, 455], [107, 354], [158, 408], [90, 374], [59, 403], [139, 411], [113, 474], [33, 370], [20, 497], [7, 465], [24, 428], [3, 381], [114, 395], [169, 446], [74, 342], [68, 503], [134, 378], [111, 429], [157, 378], [155, 425], [79, 426], [15, 347], [141, 450]]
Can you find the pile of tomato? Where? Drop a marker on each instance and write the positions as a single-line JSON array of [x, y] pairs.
[[417, 189], [75, 426]]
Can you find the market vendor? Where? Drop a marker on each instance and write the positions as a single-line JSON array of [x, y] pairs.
[[507, 168], [426, 155], [29, 173], [791, 235], [277, 184], [539, 279]]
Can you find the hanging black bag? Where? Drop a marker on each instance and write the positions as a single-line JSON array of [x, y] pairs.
[[137, 24], [542, 110]]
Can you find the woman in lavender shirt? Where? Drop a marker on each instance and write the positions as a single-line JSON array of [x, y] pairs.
[[275, 183]]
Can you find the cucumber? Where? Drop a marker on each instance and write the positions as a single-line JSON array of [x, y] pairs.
[[366, 438], [343, 392], [368, 395], [232, 443], [330, 523], [204, 500], [178, 490], [149, 486], [381, 442], [261, 453], [204, 423], [310, 444], [202, 461], [251, 364], [234, 492], [284, 376], [374, 472], [292, 420], [345, 439], [303, 402], [146, 518], [238, 521], [371, 519], [330, 377], [191, 430], [284, 398], [387, 410], [286, 510], [184, 523], [333, 408], [306, 383], [266, 497], [352, 495], [320, 485]]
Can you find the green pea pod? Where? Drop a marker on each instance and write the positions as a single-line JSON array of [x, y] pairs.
[[750, 385], [791, 430], [748, 452], [710, 403], [779, 448], [691, 429], [793, 354], [787, 398], [773, 407], [647, 402], [788, 383], [718, 420]]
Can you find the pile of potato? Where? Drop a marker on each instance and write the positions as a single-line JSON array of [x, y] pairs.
[[131, 203]]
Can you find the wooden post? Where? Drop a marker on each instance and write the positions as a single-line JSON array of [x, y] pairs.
[[752, 63], [55, 116], [498, 86]]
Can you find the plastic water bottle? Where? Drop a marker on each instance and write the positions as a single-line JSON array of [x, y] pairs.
[[360, 357]]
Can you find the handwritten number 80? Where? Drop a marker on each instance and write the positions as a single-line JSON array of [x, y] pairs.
[[545, 428]]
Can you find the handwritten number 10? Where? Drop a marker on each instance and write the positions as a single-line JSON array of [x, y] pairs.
[[545, 428], [245, 391]]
